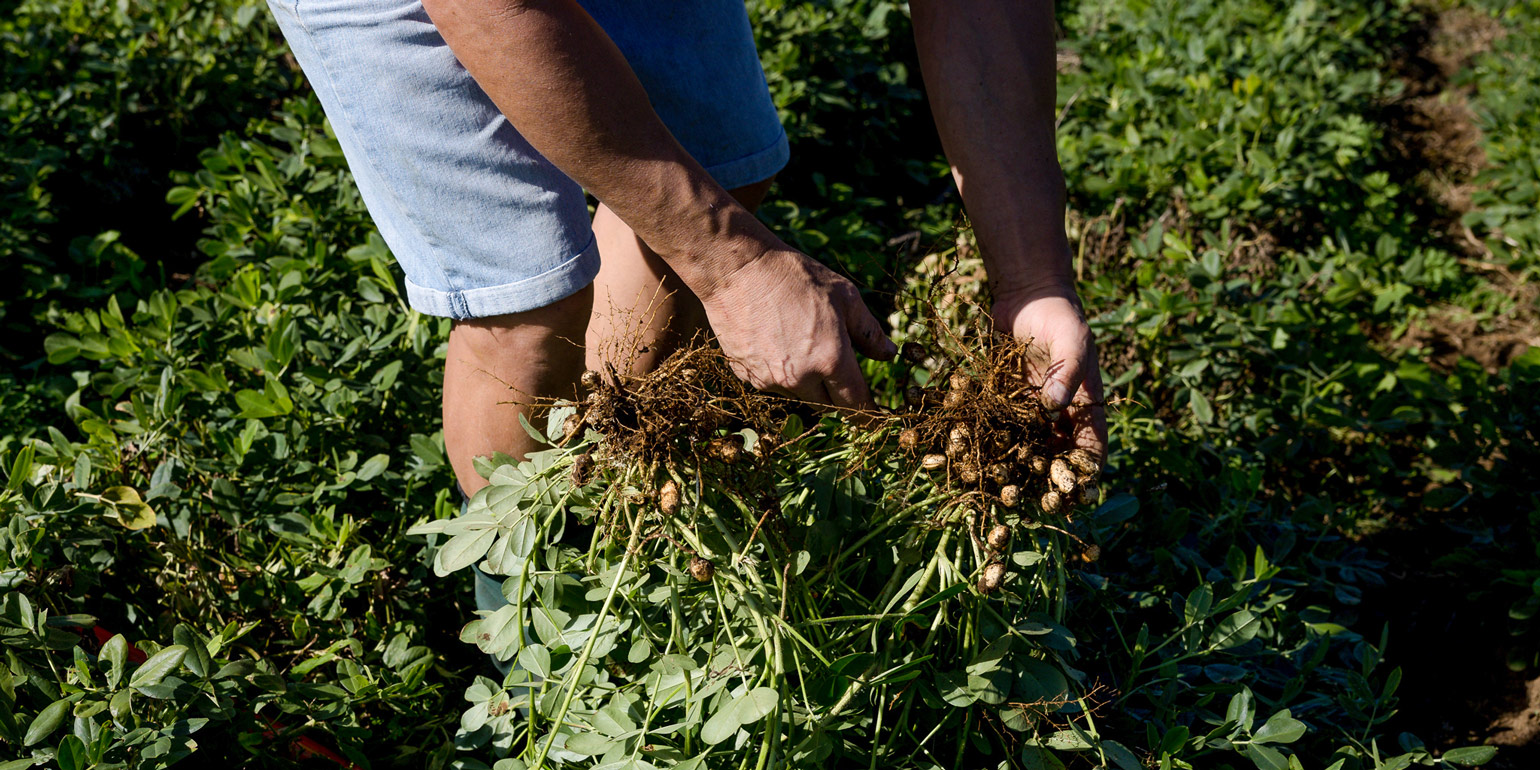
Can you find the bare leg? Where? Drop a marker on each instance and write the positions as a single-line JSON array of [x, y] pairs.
[[642, 312], [496, 366]]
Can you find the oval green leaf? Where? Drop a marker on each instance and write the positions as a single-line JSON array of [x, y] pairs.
[[755, 705], [721, 726], [1279, 728], [121, 706], [46, 721], [588, 744], [1470, 755], [158, 666], [463, 550], [113, 653]]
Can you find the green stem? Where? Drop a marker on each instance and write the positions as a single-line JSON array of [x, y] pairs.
[[588, 647], [859, 683]]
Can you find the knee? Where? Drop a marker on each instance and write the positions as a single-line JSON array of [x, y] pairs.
[[532, 336]]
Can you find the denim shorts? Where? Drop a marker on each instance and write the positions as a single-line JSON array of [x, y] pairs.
[[481, 223]]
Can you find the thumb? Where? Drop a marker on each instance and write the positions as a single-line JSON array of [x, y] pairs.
[[1064, 375], [866, 334]]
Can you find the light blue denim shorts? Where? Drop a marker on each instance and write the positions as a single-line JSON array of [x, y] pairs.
[[481, 223]]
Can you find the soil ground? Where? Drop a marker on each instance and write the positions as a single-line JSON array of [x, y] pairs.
[[1452, 645]]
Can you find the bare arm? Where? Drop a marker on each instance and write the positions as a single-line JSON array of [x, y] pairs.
[[989, 72], [788, 323]]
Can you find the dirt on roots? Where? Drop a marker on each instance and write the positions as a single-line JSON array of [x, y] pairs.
[[972, 423]]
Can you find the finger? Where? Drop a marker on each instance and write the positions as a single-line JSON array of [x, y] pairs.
[[847, 386], [1091, 431], [866, 334], [1065, 373], [1089, 416]]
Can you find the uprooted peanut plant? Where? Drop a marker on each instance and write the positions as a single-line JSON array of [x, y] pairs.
[[700, 575]]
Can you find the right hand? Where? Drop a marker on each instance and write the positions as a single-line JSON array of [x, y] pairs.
[[790, 325]]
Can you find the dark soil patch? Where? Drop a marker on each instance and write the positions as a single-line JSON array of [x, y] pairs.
[[1451, 334], [1431, 127], [1434, 131], [1452, 646]]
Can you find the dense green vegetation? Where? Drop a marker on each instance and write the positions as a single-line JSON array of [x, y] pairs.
[[219, 418]]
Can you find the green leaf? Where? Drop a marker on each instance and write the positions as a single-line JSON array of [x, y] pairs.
[[640, 650], [1235, 630], [993, 688], [158, 666], [1239, 710], [721, 726], [1201, 408], [198, 658], [20, 470], [613, 721], [1039, 758], [113, 653], [128, 508], [536, 659], [255, 404], [20, 764], [1198, 604], [755, 705], [463, 550], [373, 467], [61, 348], [1068, 740], [1265, 757], [1121, 507], [46, 721], [121, 706], [589, 744], [1470, 755], [71, 754], [953, 686], [532, 430], [1120, 755], [1279, 728]]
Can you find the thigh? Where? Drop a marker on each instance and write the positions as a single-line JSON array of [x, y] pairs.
[[696, 59], [482, 224]]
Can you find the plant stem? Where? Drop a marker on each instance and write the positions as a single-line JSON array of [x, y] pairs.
[[588, 647]]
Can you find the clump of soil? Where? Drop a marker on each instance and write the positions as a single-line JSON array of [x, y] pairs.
[[1452, 333]]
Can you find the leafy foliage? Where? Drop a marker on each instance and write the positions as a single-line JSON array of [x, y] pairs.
[[101, 99], [209, 479]]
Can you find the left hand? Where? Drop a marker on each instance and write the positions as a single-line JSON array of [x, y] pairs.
[[1049, 316]]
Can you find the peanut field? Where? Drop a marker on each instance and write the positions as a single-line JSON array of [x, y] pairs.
[[1307, 236]]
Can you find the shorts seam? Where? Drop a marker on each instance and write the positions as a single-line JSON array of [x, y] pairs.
[[760, 165], [457, 302], [761, 151]]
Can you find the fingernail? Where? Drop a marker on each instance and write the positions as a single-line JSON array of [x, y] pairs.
[[1055, 394]]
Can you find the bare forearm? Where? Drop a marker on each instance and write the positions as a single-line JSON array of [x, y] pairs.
[[567, 89], [989, 72]]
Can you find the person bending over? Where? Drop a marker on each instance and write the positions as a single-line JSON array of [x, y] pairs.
[[474, 126]]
